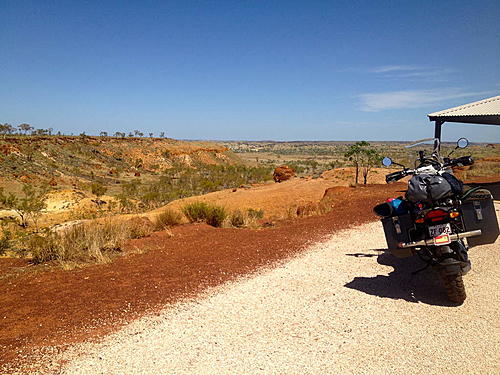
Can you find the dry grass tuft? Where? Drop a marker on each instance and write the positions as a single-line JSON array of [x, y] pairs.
[[93, 242], [167, 219]]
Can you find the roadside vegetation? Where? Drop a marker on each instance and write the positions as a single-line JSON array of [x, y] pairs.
[[218, 216], [129, 172], [180, 182]]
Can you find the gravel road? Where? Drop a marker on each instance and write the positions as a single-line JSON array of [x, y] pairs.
[[340, 308]]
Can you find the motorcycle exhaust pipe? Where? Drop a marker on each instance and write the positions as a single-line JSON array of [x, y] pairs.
[[432, 241]]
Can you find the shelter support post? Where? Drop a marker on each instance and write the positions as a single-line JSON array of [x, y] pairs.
[[437, 134]]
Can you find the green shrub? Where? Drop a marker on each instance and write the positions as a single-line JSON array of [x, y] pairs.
[[5, 241], [203, 212], [168, 218], [216, 216], [196, 212], [98, 189]]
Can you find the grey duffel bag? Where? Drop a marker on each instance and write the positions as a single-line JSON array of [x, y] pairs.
[[428, 188]]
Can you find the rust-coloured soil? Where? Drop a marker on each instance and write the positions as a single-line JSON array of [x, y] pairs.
[[49, 306]]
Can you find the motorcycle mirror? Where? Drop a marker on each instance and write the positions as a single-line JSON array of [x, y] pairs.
[[462, 143], [387, 161]]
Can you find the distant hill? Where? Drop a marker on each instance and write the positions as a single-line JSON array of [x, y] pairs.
[[71, 160]]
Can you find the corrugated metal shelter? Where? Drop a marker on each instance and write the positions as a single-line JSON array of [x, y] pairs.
[[486, 111]]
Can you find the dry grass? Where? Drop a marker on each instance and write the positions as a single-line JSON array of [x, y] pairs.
[[242, 219], [93, 242], [168, 218], [484, 168]]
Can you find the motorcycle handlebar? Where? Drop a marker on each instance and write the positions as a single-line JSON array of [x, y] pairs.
[[395, 176], [460, 162]]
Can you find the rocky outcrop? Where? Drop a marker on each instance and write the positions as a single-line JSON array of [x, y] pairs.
[[283, 173]]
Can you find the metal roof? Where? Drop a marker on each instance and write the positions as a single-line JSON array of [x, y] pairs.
[[486, 111]]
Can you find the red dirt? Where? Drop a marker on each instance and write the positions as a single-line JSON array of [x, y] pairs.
[[56, 307]]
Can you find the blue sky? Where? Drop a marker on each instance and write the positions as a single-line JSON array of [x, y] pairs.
[[282, 70]]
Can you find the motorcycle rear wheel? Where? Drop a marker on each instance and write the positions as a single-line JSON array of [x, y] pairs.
[[455, 288]]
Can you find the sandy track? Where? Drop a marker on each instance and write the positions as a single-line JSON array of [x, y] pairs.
[[327, 311]]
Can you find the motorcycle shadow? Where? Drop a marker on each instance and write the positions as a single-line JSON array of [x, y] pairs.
[[424, 287]]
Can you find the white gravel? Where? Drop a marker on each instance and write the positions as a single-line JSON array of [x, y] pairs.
[[325, 312]]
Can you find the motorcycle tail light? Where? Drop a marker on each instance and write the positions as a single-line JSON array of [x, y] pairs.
[[436, 215], [420, 220], [454, 214]]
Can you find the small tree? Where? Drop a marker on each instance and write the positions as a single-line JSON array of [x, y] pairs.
[[103, 134], [25, 128], [362, 156], [6, 129], [371, 158], [98, 190], [28, 206]]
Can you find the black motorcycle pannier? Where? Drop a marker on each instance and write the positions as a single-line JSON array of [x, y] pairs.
[[478, 212], [397, 229]]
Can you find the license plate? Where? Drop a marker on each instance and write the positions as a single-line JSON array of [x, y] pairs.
[[438, 230]]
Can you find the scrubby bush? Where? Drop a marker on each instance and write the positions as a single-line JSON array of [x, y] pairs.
[[203, 212], [196, 211], [168, 218], [5, 241], [216, 216], [98, 189]]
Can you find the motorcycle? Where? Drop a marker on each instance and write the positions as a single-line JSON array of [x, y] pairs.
[[438, 219]]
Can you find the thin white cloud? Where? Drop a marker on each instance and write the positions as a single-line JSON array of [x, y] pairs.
[[406, 99], [412, 72], [396, 68]]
